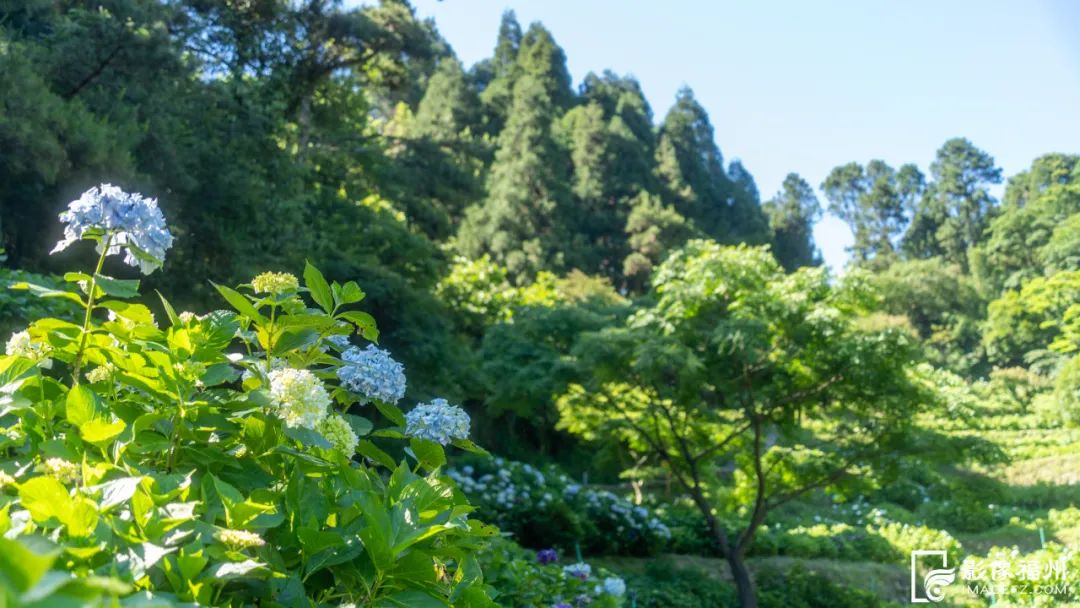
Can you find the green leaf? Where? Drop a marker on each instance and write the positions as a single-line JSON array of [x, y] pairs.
[[137, 313], [469, 446], [81, 517], [364, 323], [100, 431], [307, 437], [240, 303], [370, 450], [410, 599], [232, 570], [170, 312], [191, 563], [118, 491], [117, 288], [44, 498], [82, 405], [392, 413], [25, 561], [360, 425], [346, 294], [46, 292], [318, 287], [428, 453]]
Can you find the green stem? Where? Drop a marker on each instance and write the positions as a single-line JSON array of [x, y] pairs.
[[87, 318]]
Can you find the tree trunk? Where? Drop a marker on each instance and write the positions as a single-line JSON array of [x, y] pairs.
[[744, 585]]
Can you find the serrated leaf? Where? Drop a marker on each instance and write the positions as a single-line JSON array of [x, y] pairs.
[[101, 431], [370, 450], [81, 405], [318, 287], [428, 453], [392, 413], [117, 288], [240, 303], [360, 425]]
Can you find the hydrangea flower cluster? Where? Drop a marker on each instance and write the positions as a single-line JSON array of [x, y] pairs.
[[101, 373], [341, 341], [298, 397], [62, 470], [510, 493], [340, 434], [613, 511], [131, 223], [437, 421], [240, 539], [612, 585], [373, 374], [579, 570], [547, 556], [275, 283], [21, 345]]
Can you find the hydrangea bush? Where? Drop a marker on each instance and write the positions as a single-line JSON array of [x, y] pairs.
[[542, 508], [218, 459], [524, 578]]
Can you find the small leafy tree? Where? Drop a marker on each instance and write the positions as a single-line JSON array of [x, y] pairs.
[[751, 387], [213, 459]]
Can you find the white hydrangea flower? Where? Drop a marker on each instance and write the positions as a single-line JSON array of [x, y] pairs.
[[437, 421], [240, 539], [62, 470], [373, 374], [275, 283], [612, 586], [298, 397], [21, 345], [340, 433], [134, 224], [101, 373]]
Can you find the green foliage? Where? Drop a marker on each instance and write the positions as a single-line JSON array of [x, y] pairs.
[[1036, 231], [957, 207], [799, 587], [522, 582], [19, 307], [876, 202], [942, 305], [1067, 391], [733, 351], [792, 214], [1037, 323], [168, 470], [544, 508]]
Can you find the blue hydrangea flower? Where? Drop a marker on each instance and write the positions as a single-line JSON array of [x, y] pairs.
[[437, 421], [547, 556], [580, 570], [132, 224], [612, 586], [372, 374]]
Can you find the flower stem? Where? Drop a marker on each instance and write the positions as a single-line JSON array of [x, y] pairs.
[[77, 366]]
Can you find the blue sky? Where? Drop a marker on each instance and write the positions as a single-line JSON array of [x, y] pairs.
[[805, 86]]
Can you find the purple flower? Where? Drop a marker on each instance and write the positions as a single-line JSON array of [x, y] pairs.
[[562, 605], [547, 556]]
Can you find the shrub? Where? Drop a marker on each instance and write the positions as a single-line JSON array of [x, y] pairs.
[[801, 588], [212, 459], [19, 307], [520, 580], [544, 508]]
